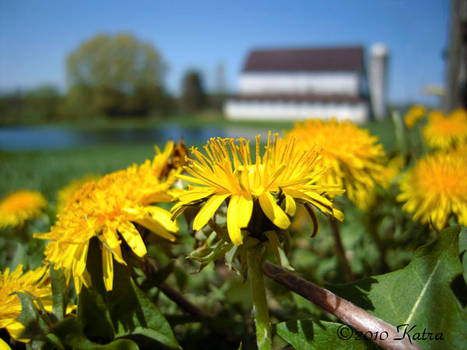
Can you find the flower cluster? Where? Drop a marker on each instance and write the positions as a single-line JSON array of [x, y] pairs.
[[273, 182], [113, 208]]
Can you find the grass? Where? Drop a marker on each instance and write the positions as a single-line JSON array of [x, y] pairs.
[[198, 120], [48, 171]]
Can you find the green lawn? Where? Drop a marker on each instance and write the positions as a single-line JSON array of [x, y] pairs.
[[48, 171], [198, 120]]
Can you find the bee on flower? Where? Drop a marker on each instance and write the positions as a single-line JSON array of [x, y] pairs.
[[354, 159], [113, 210], [436, 188], [20, 206]]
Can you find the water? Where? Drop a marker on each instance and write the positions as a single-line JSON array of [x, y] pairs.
[[20, 139]]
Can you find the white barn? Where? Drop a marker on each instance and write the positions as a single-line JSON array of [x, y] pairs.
[[302, 83]]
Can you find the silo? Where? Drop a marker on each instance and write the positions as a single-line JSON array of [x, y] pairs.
[[378, 79]]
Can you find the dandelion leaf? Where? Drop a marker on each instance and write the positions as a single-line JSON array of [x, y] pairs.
[[311, 335], [419, 295]]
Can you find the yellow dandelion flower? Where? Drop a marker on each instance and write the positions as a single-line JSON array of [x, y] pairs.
[[65, 193], [20, 206], [4, 345], [35, 282], [446, 131], [460, 151], [353, 157], [271, 184], [414, 114], [435, 188], [111, 210]]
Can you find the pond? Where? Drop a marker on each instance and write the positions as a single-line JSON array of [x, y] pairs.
[[21, 139]]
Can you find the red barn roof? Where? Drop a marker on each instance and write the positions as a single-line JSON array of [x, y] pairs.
[[310, 59]]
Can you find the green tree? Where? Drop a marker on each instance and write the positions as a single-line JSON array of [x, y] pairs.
[[44, 102], [193, 97], [41, 104], [108, 72]]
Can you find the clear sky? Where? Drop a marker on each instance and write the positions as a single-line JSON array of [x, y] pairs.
[[36, 36]]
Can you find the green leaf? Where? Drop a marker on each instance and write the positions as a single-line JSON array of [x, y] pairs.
[[124, 311], [181, 278], [93, 312], [35, 326], [152, 323], [463, 250], [54, 341], [71, 333], [19, 256], [419, 294], [94, 315], [59, 292], [36, 323], [306, 334], [157, 277], [119, 344], [209, 253], [133, 312], [230, 256]]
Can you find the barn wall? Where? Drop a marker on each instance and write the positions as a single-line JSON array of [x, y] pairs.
[[256, 110], [346, 83]]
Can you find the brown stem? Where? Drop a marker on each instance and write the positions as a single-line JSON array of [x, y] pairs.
[[347, 312], [180, 300], [173, 294], [340, 249]]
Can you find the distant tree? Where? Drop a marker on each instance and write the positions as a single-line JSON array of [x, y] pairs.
[[41, 104], [193, 97], [154, 98], [12, 108], [44, 102], [109, 71], [79, 102]]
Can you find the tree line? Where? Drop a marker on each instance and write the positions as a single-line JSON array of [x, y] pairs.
[[113, 76]]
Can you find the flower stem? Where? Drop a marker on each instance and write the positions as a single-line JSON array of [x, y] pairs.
[[24, 232], [180, 300], [340, 249], [258, 294], [151, 267], [359, 319]]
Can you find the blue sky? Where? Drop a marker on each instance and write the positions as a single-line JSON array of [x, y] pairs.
[[36, 36]]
